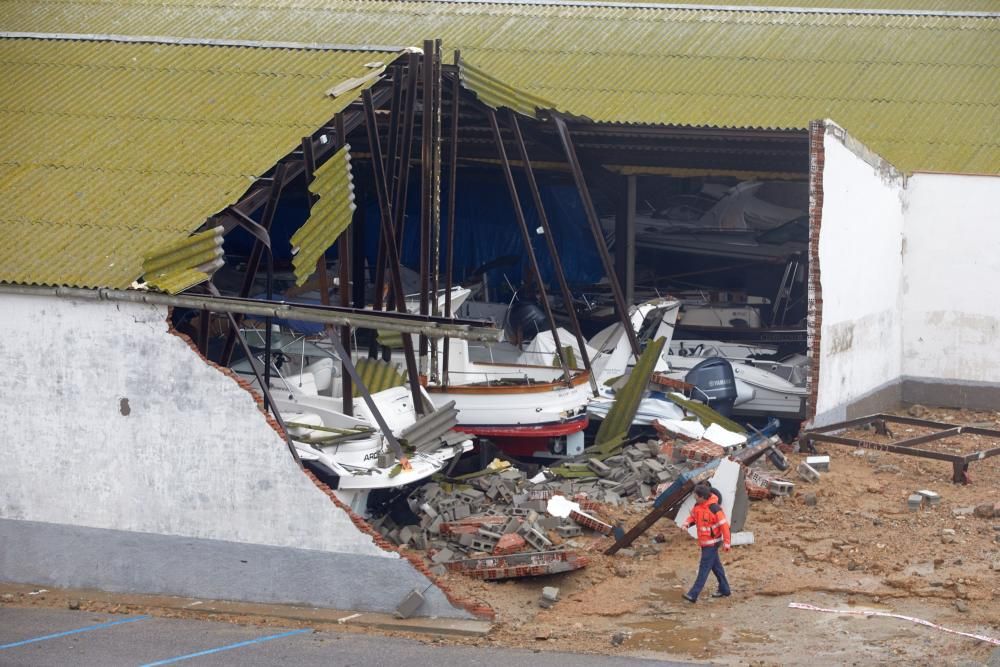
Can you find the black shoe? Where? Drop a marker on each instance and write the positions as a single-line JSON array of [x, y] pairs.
[[719, 594], [689, 598]]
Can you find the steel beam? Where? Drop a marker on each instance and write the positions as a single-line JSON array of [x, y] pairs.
[[595, 229], [452, 190], [392, 248], [433, 327], [526, 240], [550, 242], [345, 360], [625, 239]]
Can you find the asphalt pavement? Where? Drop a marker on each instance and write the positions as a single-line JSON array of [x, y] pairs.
[[41, 637]]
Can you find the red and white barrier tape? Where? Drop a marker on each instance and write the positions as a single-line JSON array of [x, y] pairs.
[[799, 605]]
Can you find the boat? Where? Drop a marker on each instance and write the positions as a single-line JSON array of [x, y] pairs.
[[764, 220], [352, 453]]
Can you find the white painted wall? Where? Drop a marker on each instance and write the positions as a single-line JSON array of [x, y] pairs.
[[860, 261], [951, 285], [194, 457]]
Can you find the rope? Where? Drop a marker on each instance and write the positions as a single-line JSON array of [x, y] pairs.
[[809, 607]]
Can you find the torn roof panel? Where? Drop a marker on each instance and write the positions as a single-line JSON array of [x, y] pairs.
[[921, 90], [115, 150]]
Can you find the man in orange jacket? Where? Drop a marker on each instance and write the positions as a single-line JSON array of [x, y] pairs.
[[713, 532]]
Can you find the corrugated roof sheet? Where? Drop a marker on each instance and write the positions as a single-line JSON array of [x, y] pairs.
[[923, 91], [112, 151], [186, 262], [329, 216]]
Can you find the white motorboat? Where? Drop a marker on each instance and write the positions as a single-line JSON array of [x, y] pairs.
[[351, 452]]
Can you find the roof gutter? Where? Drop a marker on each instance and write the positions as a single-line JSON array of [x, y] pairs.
[[432, 327]]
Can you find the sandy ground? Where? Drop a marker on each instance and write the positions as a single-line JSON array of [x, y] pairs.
[[858, 548]]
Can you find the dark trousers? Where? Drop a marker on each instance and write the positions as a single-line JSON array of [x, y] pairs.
[[709, 563]]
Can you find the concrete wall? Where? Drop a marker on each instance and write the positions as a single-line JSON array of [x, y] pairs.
[[951, 290], [861, 266], [114, 424]]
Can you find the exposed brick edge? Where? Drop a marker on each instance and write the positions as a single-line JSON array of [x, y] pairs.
[[814, 317], [477, 608]]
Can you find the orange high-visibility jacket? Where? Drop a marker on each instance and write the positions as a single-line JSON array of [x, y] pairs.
[[711, 522]]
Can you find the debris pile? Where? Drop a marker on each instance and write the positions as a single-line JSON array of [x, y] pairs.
[[501, 513]]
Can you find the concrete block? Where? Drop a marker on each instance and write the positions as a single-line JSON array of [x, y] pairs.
[[820, 463], [599, 468], [931, 497], [419, 541], [569, 531], [807, 472], [406, 534], [438, 570], [742, 538], [429, 510], [443, 556], [489, 534], [550, 593], [653, 465], [915, 501], [471, 496], [512, 525], [483, 545], [461, 511], [780, 487], [410, 604], [466, 539], [434, 528]]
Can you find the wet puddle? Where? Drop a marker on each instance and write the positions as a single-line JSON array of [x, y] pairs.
[[670, 636]]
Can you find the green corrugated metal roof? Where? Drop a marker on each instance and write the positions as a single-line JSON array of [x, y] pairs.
[[329, 216], [113, 151], [185, 263], [923, 91]]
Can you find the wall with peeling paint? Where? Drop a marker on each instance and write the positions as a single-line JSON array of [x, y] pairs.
[[861, 265], [951, 283], [119, 438]]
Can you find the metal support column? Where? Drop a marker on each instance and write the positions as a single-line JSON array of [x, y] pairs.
[[550, 242], [452, 189], [625, 239], [344, 265], [253, 263], [595, 229], [392, 250], [526, 240]]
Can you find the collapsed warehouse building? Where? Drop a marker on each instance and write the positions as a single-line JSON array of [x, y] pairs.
[[227, 127]]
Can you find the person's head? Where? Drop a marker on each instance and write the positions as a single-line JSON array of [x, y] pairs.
[[702, 492]]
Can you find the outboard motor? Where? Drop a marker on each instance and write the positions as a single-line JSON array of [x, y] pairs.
[[715, 384], [526, 320]]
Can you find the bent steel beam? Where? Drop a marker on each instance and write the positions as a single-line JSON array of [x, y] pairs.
[[526, 240], [595, 229]]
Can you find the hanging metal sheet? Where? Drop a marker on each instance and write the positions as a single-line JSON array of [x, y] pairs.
[[330, 214], [185, 263]]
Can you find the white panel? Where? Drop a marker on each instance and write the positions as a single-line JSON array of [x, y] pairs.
[[951, 288], [860, 262], [112, 422]]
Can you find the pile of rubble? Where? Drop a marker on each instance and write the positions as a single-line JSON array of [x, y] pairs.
[[502, 514], [499, 523]]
